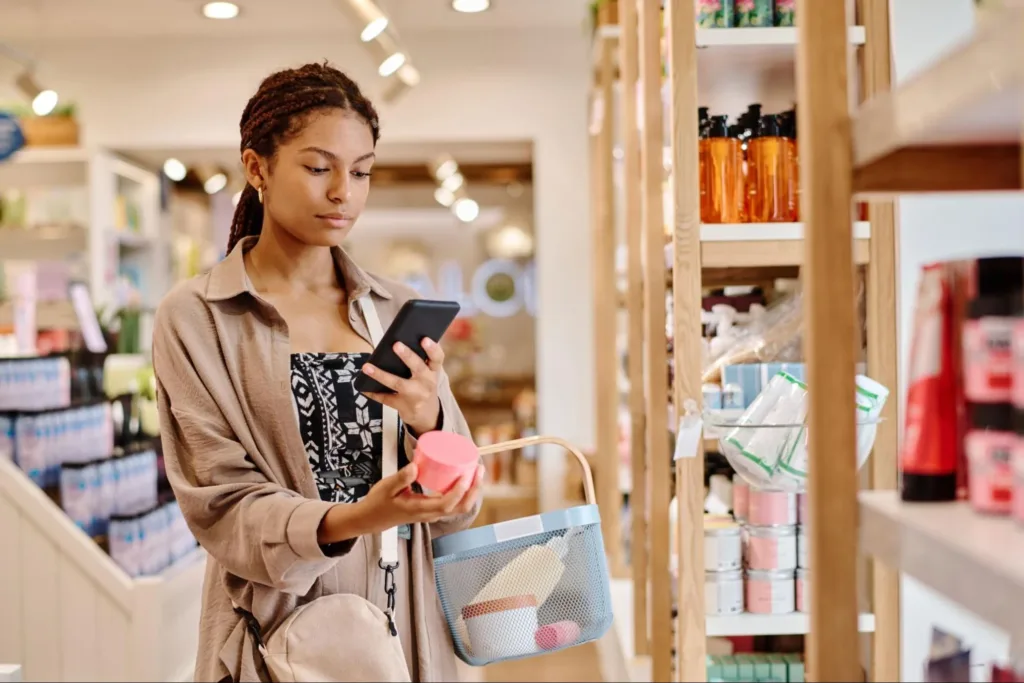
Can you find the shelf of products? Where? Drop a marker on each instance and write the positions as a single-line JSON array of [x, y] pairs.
[[955, 126], [771, 624]]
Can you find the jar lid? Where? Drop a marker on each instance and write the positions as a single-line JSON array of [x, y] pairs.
[[772, 531], [512, 602], [770, 574], [721, 529], [732, 575]]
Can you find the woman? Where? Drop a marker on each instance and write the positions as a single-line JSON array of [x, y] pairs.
[[274, 458]]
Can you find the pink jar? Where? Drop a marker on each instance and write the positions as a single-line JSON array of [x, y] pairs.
[[771, 592], [988, 358], [740, 498], [443, 458], [990, 480], [1017, 464], [802, 596], [1017, 393], [771, 508], [802, 515], [771, 548]]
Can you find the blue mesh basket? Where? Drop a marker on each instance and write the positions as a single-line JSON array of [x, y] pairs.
[[528, 586]]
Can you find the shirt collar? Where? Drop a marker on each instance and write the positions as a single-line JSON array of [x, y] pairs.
[[228, 278]]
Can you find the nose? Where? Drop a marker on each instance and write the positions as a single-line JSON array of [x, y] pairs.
[[339, 192]]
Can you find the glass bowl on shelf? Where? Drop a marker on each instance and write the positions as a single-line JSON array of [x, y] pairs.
[[774, 456]]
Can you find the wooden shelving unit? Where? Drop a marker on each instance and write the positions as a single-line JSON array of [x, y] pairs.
[[824, 249]]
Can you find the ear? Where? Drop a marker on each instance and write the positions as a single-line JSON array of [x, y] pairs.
[[256, 168]]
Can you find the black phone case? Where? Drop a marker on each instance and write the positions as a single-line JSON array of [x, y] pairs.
[[418, 319]]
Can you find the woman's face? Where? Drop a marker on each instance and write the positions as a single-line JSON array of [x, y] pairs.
[[319, 180]]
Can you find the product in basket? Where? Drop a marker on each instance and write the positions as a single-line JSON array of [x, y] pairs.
[[771, 592], [757, 437], [723, 546], [723, 593], [771, 548], [557, 635], [502, 628], [443, 459]]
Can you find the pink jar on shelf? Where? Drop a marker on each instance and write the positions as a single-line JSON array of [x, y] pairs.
[[802, 588], [740, 498], [802, 514], [771, 592], [771, 508], [771, 548], [1017, 465], [990, 480]]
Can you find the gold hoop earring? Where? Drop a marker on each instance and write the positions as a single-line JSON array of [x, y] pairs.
[[259, 193]]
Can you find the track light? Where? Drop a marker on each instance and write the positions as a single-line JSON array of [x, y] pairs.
[[471, 6], [368, 16], [43, 101], [466, 210], [215, 183], [391, 64], [175, 170], [374, 29]]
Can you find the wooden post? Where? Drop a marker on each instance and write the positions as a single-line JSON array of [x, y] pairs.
[[883, 351], [826, 158], [653, 174], [630, 135], [686, 289], [606, 354]]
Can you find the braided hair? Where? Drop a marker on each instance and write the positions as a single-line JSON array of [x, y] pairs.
[[278, 111]]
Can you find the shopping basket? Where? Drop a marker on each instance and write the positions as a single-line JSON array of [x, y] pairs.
[[527, 586]]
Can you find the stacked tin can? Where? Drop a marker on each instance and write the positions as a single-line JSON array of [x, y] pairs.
[[723, 566]]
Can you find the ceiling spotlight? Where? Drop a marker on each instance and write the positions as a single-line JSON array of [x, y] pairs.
[[445, 167], [409, 75], [444, 197], [43, 101], [471, 6], [453, 182], [466, 210], [391, 64], [175, 170], [374, 29], [215, 183], [220, 10]]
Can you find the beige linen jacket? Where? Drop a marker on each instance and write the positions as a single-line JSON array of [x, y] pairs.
[[236, 461]]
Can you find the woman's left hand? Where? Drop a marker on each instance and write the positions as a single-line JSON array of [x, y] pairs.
[[415, 398]]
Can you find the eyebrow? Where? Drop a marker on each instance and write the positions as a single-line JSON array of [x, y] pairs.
[[334, 157]]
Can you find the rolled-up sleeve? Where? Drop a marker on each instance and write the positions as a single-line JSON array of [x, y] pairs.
[[257, 530]]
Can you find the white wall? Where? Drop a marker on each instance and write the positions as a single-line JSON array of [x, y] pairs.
[[487, 86], [932, 229]]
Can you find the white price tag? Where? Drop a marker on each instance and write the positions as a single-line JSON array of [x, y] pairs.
[[691, 430]]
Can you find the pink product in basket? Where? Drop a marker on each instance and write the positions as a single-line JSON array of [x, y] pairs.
[[443, 458], [771, 548], [558, 634], [771, 508], [990, 484]]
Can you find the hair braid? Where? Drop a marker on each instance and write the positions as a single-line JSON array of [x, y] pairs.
[[277, 112]]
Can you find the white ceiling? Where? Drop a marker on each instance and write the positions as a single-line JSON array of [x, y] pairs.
[[34, 20]]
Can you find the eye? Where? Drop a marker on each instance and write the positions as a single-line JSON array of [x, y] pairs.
[[361, 174], [317, 171]]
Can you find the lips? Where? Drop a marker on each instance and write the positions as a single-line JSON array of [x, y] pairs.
[[336, 219]]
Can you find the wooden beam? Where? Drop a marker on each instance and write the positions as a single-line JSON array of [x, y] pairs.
[[883, 353], [941, 169], [686, 311], [660, 471], [826, 157], [605, 353], [630, 135]]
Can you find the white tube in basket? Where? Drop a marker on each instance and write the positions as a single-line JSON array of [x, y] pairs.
[[756, 413], [768, 445]]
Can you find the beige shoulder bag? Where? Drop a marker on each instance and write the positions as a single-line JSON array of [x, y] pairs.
[[343, 637]]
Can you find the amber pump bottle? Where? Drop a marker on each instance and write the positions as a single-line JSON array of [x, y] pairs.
[[791, 191], [703, 123], [724, 173], [767, 153]]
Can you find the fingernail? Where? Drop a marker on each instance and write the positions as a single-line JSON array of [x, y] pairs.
[[369, 369], [428, 343], [399, 347]]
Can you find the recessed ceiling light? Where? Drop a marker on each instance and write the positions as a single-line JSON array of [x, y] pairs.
[[444, 197], [471, 6], [175, 170], [374, 29], [215, 183], [220, 10], [391, 64], [466, 210], [453, 182]]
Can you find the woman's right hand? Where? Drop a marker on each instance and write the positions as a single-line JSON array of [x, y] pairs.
[[391, 502]]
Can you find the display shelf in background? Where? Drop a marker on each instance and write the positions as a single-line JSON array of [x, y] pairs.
[[955, 126], [796, 623], [973, 559]]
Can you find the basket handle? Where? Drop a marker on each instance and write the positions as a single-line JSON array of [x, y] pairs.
[[518, 444]]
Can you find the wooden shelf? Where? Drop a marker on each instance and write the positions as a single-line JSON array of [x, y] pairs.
[[956, 126], [975, 560], [772, 624], [51, 243]]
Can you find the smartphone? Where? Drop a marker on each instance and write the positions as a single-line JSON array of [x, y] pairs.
[[418, 319]]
